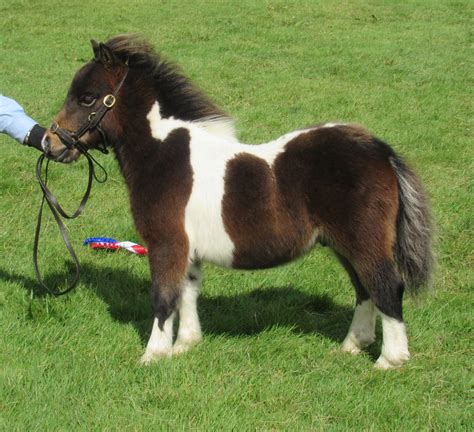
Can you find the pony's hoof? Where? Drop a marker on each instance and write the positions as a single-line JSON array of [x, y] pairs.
[[152, 356], [383, 363], [355, 347], [182, 346], [350, 347]]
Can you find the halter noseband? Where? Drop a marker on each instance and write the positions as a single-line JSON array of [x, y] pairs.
[[72, 139]]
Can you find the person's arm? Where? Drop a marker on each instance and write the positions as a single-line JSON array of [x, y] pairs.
[[15, 123]]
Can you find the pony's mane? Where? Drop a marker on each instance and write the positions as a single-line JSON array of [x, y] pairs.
[[178, 96]]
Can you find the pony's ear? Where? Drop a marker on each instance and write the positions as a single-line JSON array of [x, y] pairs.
[[95, 48], [106, 56]]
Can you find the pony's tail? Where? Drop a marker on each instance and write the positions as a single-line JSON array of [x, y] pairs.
[[413, 248]]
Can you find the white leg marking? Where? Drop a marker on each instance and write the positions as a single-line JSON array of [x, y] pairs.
[[362, 330], [160, 342], [189, 331], [395, 344]]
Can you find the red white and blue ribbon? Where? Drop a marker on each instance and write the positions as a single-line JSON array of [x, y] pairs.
[[111, 244]]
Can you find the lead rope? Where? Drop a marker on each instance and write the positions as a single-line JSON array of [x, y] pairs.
[[72, 140], [59, 213]]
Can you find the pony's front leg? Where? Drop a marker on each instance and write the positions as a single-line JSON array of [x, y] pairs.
[[168, 269], [189, 331]]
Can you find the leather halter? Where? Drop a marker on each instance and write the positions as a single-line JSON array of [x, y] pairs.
[[72, 139]]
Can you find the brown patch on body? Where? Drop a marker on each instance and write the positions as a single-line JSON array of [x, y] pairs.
[[335, 181], [267, 227]]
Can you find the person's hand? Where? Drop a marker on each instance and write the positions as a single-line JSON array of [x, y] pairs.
[[35, 137]]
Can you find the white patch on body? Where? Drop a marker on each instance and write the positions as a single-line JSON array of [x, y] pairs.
[[160, 127], [269, 151], [362, 330], [395, 344], [209, 154], [220, 126], [189, 330], [160, 342], [330, 125], [213, 145], [208, 239]]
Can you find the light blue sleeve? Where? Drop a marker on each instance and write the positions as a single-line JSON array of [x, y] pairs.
[[13, 120]]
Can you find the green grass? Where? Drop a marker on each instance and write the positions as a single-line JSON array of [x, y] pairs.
[[269, 359]]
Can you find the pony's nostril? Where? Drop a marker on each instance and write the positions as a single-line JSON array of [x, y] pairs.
[[45, 144]]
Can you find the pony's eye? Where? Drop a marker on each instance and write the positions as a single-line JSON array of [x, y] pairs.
[[87, 100]]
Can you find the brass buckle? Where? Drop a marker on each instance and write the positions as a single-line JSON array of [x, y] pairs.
[[54, 127], [109, 101], [91, 116]]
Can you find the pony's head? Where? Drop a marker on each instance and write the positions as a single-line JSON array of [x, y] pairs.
[[89, 112], [128, 75]]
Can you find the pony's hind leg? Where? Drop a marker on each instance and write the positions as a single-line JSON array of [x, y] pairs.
[[189, 330], [168, 269], [386, 288], [362, 330], [395, 343]]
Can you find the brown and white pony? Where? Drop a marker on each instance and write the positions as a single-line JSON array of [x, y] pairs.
[[198, 194]]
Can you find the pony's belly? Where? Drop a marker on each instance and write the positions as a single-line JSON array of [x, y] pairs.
[[271, 251], [252, 260], [208, 247]]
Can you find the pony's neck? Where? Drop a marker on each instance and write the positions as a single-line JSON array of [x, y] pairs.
[[160, 97], [176, 98]]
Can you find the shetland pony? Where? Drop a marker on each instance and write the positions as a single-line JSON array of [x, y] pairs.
[[198, 194]]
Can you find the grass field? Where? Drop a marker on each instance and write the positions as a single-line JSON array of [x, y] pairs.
[[270, 359]]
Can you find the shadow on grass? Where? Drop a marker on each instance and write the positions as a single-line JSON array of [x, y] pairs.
[[234, 315], [31, 285]]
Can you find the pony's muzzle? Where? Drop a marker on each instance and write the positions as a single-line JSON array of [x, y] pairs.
[[55, 150]]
